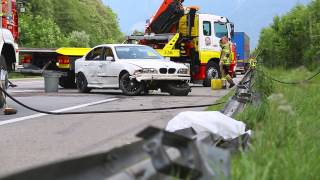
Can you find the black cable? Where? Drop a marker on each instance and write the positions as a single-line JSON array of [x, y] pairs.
[[293, 82], [105, 112]]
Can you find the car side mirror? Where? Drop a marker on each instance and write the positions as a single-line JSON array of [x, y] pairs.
[[110, 58]]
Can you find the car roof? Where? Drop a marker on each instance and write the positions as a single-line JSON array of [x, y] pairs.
[[114, 45]]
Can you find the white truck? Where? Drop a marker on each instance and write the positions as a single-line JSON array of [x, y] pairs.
[[8, 47]]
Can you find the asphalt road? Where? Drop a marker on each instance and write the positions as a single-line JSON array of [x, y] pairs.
[[31, 139]]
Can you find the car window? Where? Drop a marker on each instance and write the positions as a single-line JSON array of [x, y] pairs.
[[221, 29], [108, 52], [136, 52], [96, 54], [207, 28]]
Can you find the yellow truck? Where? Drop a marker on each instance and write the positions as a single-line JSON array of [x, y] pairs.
[[191, 38], [61, 60]]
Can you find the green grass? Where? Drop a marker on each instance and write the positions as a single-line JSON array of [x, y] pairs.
[[286, 126], [16, 75], [223, 99]]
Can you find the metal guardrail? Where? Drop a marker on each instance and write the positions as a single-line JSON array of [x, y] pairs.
[[243, 95], [160, 155]]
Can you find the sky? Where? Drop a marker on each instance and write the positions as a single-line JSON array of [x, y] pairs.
[[249, 16]]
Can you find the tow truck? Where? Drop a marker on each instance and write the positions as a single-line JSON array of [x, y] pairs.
[[183, 35]]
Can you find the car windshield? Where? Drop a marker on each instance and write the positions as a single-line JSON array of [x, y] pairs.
[[221, 29], [136, 52]]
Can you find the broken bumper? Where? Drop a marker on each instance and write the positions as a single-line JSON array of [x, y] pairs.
[[161, 77]]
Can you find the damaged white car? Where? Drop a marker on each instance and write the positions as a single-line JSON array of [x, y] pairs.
[[135, 69]]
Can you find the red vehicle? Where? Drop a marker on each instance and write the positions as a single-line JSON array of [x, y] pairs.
[[186, 36], [10, 17]]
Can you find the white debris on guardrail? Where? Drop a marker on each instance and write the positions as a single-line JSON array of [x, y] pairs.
[[213, 122]]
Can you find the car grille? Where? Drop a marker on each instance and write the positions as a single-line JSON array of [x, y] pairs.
[[163, 70], [167, 71], [172, 71]]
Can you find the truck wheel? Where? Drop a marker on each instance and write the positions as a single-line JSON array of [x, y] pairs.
[[82, 83], [212, 72], [179, 88], [67, 82], [130, 87], [4, 80]]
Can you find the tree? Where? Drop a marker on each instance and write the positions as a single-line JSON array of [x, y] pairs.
[[137, 32], [79, 39], [42, 32], [292, 39], [98, 22]]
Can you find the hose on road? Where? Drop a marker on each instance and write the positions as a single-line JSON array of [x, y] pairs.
[[105, 112]]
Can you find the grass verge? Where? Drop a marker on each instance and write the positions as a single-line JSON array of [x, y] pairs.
[[223, 99], [16, 75], [286, 142]]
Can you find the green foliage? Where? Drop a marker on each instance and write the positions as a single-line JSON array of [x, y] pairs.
[[137, 32], [286, 131], [263, 84], [79, 39], [226, 98], [73, 18], [17, 75], [42, 32], [293, 39]]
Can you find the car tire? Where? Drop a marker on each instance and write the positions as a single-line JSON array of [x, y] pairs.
[[82, 83], [68, 82], [4, 82], [130, 87], [212, 72], [179, 88]]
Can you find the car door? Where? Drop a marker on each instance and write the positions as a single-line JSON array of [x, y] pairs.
[[108, 69], [205, 34], [90, 65], [208, 41]]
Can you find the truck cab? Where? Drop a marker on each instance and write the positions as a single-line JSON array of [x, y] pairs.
[[206, 32]]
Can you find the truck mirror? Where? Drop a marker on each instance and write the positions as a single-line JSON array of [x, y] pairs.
[[232, 30]]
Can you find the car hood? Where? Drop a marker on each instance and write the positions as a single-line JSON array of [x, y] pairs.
[[154, 63]]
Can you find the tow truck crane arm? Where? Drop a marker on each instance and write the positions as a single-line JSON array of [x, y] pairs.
[[166, 18]]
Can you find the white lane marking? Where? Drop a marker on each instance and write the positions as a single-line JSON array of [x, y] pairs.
[[10, 121]]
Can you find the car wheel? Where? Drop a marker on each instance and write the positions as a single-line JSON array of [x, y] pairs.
[[82, 83], [212, 72], [130, 87], [178, 88], [68, 82], [3, 80]]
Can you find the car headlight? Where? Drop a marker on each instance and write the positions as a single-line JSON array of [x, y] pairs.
[[148, 71], [183, 71]]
